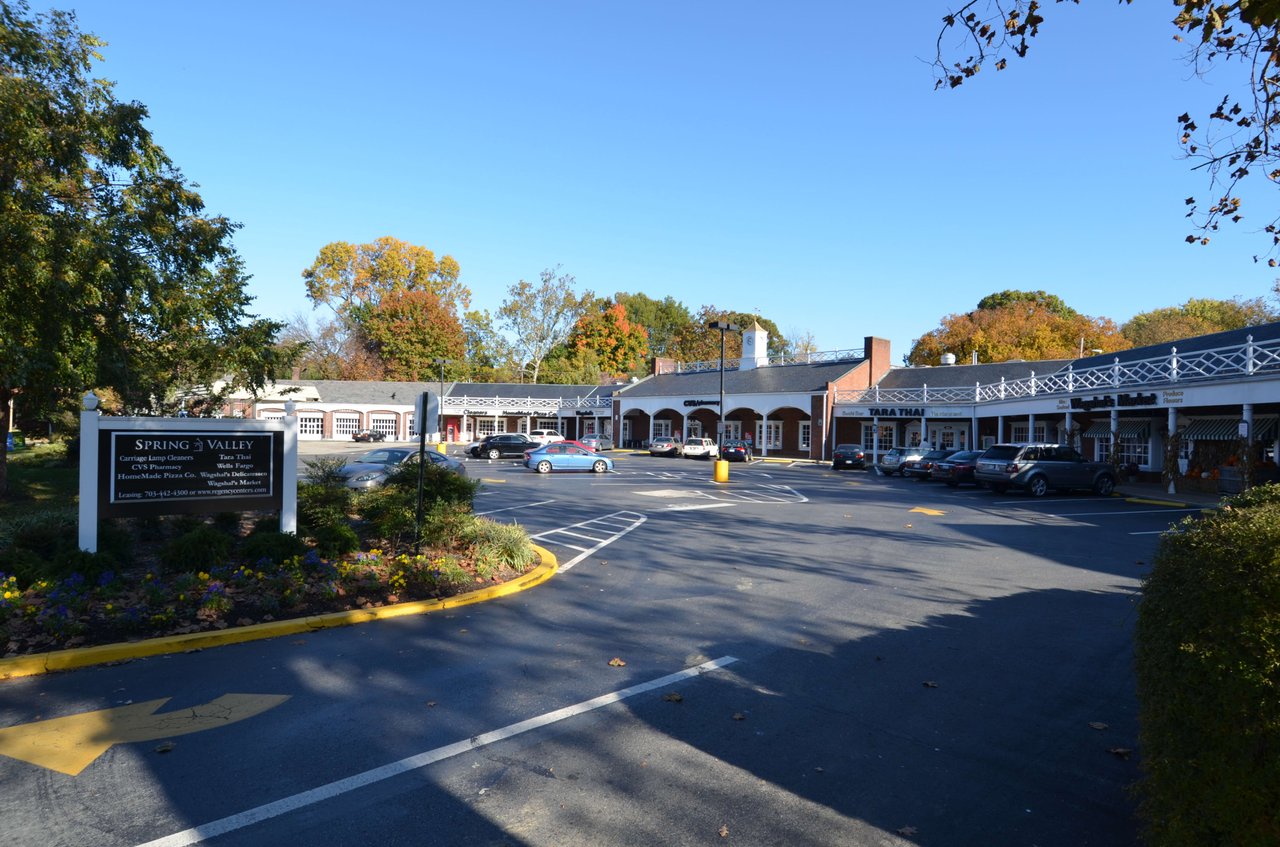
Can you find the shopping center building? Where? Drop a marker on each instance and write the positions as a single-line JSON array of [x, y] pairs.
[[1194, 403]]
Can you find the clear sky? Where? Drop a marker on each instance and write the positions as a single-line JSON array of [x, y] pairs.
[[789, 158]]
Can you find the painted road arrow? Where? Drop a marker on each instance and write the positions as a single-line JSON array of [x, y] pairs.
[[922, 510], [70, 744]]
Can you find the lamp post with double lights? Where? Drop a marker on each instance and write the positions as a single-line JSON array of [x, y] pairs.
[[441, 361], [721, 470]]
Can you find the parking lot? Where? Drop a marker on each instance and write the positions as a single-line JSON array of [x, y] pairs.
[[798, 656]]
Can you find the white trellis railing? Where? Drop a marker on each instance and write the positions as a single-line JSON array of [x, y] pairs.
[[1174, 368], [499, 405]]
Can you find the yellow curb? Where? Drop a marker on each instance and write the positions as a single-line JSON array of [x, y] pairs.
[[61, 660], [1174, 503]]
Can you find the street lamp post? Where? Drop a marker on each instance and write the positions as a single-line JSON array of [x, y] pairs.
[[723, 326], [441, 361]]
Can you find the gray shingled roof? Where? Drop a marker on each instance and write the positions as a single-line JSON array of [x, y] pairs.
[[954, 376], [1230, 338], [774, 379], [366, 392]]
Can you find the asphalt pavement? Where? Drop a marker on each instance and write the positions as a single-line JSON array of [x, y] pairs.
[[797, 657]]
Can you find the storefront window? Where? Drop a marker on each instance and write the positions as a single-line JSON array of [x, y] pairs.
[[1134, 450], [806, 431]]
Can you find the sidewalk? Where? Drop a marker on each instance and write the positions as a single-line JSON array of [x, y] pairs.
[[1156, 493]]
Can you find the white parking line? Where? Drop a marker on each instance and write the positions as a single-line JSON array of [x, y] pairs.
[[239, 821], [628, 520], [1108, 514], [510, 508]]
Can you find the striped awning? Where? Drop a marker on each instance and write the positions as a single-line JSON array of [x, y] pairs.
[[1228, 429], [1130, 429]]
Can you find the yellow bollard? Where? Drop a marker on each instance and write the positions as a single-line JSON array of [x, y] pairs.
[[442, 447], [722, 470]]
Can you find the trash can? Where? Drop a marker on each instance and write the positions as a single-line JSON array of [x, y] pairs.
[[17, 441]]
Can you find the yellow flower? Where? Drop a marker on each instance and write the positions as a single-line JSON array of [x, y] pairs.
[[110, 607]]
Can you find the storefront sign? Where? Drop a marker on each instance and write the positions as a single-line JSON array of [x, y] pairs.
[[702, 402], [161, 472], [176, 466], [1113, 401], [897, 412], [1171, 397]]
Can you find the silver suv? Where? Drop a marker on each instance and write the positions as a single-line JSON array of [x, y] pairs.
[[890, 463], [1040, 467]]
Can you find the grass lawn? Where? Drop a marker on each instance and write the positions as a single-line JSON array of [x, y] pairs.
[[40, 478]]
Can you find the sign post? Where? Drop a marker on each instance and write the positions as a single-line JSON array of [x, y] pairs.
[[419, 415]]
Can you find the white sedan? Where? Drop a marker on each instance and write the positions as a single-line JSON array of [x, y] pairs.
[[699, 448]]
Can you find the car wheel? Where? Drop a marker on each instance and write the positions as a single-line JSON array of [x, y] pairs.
[[1038, 486], [1104, 485], [543, 467], [600, 466], [494, 454]]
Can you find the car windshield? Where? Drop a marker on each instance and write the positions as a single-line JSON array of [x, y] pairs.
[[847, 448], [937, 454], [967, 456], [382, 457], [1001, 452]]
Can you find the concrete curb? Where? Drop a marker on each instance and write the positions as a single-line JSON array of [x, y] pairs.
[[62, 660]]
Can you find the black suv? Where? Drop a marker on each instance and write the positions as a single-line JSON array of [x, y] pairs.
[[1040, 467], [503, 444]]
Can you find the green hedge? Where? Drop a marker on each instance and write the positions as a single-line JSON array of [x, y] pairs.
[[1208, 668]]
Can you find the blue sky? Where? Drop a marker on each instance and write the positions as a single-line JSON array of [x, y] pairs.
[[786, 158]]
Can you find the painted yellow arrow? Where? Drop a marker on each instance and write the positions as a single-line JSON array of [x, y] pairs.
[[922, 510], [70, 744]]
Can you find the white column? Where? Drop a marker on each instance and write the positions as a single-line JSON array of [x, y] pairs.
[[1000, 425], [1171, 431], [89, 473], [875, 440], [289, 496], [1031, 427]]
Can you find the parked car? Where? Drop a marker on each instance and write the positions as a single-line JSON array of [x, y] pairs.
[[596, 442], [370, 470], [564, 456], [890, 462], [956, 468], [1040, 467], [503, 444], [545, 436], [920, 468], [736, 451], [664, 445], [369, 435], [699, 448], [848, 456]]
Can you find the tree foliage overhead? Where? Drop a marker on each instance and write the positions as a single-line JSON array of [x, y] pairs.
[[111, 272], [1021, 325], [1198, 316], [1232, 144], [409, 330]]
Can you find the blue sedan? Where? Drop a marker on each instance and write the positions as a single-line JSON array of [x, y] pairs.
[[563, 456]]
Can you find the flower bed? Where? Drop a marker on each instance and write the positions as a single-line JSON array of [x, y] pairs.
[[125, 605]]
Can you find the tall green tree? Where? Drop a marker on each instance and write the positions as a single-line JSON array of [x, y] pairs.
[[538, 318], [664, 320], [618, 344], [347, 277], [409, 330], [111, 272], [1231, 144], [1198, 316], [1029, 328]]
